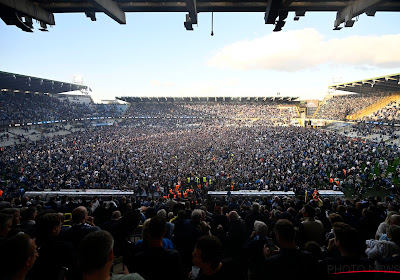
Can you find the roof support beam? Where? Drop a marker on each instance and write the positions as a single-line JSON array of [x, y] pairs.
[[271, 12], [192, 9], [112, 9], [30, 9], [286, 3], [354, 9]]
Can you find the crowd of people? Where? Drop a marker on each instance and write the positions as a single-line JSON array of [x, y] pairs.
[[156, 155], [19, 108], [171, 157], [214, 238], [378, 131], [211, 110], [341, 106], [22, 108], [388, 114]]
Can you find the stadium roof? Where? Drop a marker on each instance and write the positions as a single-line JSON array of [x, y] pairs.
[[278, 99], [21, 12], [389, 83], [27, 84]]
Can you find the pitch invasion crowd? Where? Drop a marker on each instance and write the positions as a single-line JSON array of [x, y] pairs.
[[157, 155], [180, 159]]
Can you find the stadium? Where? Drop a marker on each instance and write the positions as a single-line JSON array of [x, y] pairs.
[[240, 187], [60, 151]]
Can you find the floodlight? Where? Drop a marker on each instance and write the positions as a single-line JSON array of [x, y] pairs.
[[278, 26], [43, 27], [349, 23]]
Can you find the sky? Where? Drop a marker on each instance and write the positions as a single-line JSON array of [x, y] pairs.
[[154, 55]]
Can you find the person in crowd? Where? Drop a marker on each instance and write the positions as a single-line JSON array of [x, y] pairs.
[[393, 220], [253, 216], [287, 254], [350, 246], [208, 258], [56, 257], [382, 228], [28, 215], [168, 261], [16, 221], [311, 229], [124, 246], [236, 237], [82, 225], [5, 225], [18, 255], [186, 232], [96, 258], [111, 225], [170, 226], [379, 249], [253, 249]]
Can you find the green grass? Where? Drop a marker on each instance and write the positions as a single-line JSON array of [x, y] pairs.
[[369, 192], [373, 192]]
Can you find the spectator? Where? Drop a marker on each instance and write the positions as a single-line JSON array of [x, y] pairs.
[[82, 225], [350, 246], [379, 249], [382, 228], [168, 261], [5, 225], [301, 263], [208, 257], [96, 257], [56, 257], [18, 257], [28, 215], [253, 250], [311, 229]]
